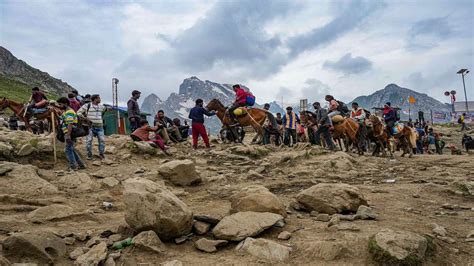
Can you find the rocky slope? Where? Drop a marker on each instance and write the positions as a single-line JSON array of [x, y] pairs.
[[13, 68], [241, 204], [398, 96]]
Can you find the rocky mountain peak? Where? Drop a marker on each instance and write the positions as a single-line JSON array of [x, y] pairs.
[[16, 69]]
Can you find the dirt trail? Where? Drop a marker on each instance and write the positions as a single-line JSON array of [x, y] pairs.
[[409, 194]]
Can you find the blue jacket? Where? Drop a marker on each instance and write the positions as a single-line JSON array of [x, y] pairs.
[[197, 114]]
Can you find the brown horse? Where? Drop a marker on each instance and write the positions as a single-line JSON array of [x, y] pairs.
[[406, 137], [379, 136], [255, 117], [347, 130], [19, 110]]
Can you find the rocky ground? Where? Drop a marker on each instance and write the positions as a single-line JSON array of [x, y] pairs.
[[233, 204]]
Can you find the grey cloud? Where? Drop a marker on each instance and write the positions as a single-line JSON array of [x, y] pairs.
[[349, 65], [315, 90], [428, 33], [349, 18]]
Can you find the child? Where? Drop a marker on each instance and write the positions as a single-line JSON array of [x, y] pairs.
[[142, 134]]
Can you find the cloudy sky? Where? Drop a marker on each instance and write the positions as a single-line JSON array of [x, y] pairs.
[[280, 49]]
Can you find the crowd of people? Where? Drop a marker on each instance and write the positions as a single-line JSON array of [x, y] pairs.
[[82, 116]]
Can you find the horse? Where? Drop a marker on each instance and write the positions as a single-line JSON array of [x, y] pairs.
[[347, 129], [379, 136], [255, 117], [19, 110], [406, 137]]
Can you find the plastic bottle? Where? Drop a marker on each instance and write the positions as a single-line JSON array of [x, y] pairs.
[[123, 244]]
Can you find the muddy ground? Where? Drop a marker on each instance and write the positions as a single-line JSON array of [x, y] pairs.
[[409, 194]]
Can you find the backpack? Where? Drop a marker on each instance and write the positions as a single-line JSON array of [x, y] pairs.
[[250, 99], [342, 107], [59, 132], [397, 115], [459, 120]]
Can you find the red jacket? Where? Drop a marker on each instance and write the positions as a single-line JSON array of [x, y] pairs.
[[240, 96]]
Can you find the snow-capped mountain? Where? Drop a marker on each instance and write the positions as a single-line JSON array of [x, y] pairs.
[[179, 104]]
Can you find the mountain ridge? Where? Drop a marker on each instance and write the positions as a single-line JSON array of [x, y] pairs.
[[12, 68]]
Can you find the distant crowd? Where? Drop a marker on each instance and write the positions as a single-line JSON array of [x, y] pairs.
[[82, 116]]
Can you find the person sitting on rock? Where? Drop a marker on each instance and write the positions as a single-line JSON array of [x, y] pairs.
[[143, 134], [38, 100], [167, 130], [183, 129]]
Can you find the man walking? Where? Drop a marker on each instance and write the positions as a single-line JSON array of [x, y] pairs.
[[197, 117], [93, 112], [358, 114], [290, 121], [69, 122], [134, 110], [324, 123]]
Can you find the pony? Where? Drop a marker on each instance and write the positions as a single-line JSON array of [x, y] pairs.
[[19, 110], [406, 137], [378, 135], [347, 129], [254, 117]]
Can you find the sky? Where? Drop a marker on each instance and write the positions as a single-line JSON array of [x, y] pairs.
[[282, 50]]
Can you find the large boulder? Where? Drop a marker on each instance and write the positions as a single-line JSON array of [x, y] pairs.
[[150, 206], [391, 247], [37, 247], [326, 250], [241, 225], [258, 199], [25, 150], [23, 179], [264, 249], [81, 182], [141, 147], [180, 172], [331, 198], [49, 213], [94, 256], [5, 149]]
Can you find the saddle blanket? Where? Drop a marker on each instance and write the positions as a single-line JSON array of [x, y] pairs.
[[397, 128]]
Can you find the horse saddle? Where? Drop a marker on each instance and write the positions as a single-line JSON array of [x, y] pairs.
[[397, 128], [337, 119], [36, 111], [241, 111]]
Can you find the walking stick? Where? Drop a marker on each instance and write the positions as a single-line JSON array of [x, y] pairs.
[[26, 108], [53, 124]]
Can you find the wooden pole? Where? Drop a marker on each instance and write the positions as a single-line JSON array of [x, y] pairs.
[[53, 124], [26, 108]]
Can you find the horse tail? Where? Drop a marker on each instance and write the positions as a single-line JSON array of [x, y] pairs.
[[413, 138], [272, 120]]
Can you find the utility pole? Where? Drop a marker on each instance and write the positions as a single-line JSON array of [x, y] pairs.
[[115, 81], [464, 72]]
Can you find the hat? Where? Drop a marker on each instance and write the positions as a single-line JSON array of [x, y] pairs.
[[388, 103]]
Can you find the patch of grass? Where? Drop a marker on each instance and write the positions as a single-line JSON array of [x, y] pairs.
[[34, 142], [18, 91]]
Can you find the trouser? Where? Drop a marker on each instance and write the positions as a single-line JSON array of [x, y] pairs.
[[174, 134], [164, 134], [324, 130], [464, 126], [389, 127], [99, 133], [134, 124], [331, 114], [419, 146], [198, 129], [290, 137], [72, 156], [158, 141], [362, 135], [268, 132], [232, 109]]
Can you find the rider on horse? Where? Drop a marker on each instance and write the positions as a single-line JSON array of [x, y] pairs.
[[240, 101], [38, 100], [390, 117], [358, 114]]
